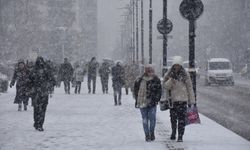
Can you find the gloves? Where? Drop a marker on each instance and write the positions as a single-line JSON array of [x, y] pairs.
[[189, 105]]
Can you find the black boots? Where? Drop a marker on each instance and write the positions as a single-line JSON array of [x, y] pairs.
[[147, 138], [180, 138], [150, 137]]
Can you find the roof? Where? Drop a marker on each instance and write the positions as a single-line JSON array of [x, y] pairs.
[[219, 60]]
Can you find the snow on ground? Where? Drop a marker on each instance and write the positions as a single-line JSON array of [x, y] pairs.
[[92, 122]]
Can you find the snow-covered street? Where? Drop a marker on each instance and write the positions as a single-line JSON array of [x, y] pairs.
[[92, 122]]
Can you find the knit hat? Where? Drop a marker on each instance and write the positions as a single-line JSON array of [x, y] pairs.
[[177, 60]]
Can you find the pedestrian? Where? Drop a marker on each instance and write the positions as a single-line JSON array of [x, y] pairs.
[[178, 82], [21, 78], [78, 78], [66, 74], [147, 90], [41, 78], [117, 82], [92, 73], [104, 72]]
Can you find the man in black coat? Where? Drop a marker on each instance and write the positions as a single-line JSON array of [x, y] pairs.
[[66, 74], [104, 72], [118, 82], [92, 72], [41, 79]]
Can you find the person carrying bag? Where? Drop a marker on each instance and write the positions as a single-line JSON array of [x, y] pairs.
[[178, 81]]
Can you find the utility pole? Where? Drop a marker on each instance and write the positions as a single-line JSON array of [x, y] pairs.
[[142, 33], [192, 10], [165, 38], [137, 32], [150, 31], [133, 28]]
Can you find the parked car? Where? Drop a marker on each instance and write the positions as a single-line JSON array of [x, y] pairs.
[[219, 71], [186, 66], [3, 83]]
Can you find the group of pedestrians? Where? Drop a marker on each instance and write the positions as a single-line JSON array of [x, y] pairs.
[[37, 82]]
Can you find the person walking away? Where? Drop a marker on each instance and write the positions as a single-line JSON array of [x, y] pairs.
[[66, 73], [92, 72], [21, 78], [117, 82], [178, 81], [147, 90], [78, 78], [104, 72], [41, 79]]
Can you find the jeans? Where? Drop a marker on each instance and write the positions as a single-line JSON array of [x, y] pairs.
[[117, 95], [148, 119]]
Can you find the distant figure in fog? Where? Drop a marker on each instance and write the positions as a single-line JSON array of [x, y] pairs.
[[78, 78], [147, 90], [66, 74], [41, 79], [104, 72], [117, 82], [21, 78], [92, 73]]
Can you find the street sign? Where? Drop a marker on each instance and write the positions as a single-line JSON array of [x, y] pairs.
[[169, 26], [191, 9], [160, 37]]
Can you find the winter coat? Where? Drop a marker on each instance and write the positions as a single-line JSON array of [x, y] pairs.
[[41, 81], [117, 76], [66, 72], [21, 77], [78, 74], [153, 90], [104, 71], [92, 68], [181, 90]]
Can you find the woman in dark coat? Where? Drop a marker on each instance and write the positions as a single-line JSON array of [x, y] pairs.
[[21, 77], [41, 81], [147, 90]]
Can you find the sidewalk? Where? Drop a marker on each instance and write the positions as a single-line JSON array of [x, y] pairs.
[[92, 122]]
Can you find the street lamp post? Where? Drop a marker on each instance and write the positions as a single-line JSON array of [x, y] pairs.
[[64, 38], [142, 33], [165, 39], [150, 31], [192, 10], [137, 32]]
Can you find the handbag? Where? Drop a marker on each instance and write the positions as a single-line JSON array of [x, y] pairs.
[[166, 104], [192, 116]]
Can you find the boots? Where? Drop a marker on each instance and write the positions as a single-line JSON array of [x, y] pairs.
[[180, 138], [19, 107], [152, 136], [173, 135], [147, 138], [25, 107]]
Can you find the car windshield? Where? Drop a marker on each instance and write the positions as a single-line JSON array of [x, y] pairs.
[[219, 65]]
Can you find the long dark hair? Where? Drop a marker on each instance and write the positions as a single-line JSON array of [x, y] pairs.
[[181, 75]]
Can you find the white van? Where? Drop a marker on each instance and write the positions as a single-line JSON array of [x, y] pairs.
[[219, 71]]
